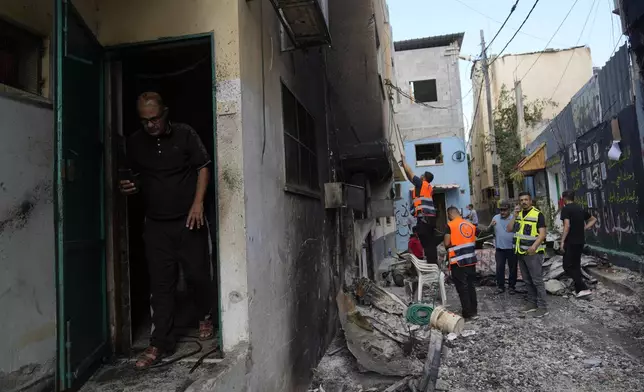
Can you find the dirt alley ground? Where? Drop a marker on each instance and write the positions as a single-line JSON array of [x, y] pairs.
[[581, 346]]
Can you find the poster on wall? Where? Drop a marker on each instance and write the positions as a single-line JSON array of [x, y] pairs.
[[572, 153], [596, 151], [603, 170], [596, 176]]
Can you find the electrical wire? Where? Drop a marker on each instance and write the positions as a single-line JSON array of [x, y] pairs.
[[499, 22], [548, 43], [572, 54], [514, 7], [515, 34]]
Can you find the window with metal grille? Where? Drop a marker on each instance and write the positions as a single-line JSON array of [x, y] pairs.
[[299, 145], [428, 152], [424, 90], [20, 58]]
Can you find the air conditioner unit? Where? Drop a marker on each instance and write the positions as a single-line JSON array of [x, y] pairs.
[[342, 195]]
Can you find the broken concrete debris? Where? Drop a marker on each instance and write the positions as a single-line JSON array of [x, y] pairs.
[[377, 338], [555, 287]]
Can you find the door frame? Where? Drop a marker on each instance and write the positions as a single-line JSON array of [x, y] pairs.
[[65, 379], [118, 264]]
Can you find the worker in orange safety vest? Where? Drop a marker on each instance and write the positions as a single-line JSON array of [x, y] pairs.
[[460, 242], [424, 210]]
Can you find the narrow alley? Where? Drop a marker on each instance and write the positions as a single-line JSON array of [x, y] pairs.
[[321, 195], [582, 346]]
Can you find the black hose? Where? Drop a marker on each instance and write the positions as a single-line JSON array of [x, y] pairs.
[[202, 358], [186, 355]]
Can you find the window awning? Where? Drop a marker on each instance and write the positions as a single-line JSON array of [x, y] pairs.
[[446, 186], [534, 162]]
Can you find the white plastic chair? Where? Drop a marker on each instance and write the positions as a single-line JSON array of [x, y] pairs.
[[428, 274]]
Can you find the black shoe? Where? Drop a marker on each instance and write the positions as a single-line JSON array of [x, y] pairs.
[[500, 291], [512, 291]]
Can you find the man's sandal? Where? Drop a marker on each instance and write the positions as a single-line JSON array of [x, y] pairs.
[[150, 357], [206, 330]]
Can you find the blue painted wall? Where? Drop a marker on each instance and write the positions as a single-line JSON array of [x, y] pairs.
[[449, 172]]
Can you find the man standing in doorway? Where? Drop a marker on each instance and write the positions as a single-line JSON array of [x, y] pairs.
[[460, 242], [530, 234], [170, 163], [424, 210], [472, 216], [576, 220], [504, 242]]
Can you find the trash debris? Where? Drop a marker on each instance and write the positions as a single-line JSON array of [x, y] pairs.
[[399, 385], [591, 363], [371, 294], [419, 314], [555, 287], [468, 332], [381, 349], [446, 321], [451, 336]]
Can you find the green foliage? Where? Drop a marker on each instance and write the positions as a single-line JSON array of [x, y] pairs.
[[508, 142], [549, 212]]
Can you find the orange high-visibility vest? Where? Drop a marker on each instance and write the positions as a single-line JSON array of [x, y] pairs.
[[463, 239], [424, 205]]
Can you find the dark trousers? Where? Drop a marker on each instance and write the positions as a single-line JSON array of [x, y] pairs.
[[504, 256], [427, 236], [532, 271], [169, 244], [464, 278], [572, 265]]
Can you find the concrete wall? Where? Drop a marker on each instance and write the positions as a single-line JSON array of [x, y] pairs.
[[449, 172], [353, 71], [541, 81], [290, 237], [27, 279], [418, 121]]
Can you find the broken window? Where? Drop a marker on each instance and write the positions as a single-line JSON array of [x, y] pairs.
[[429, 152], [299, 144], [424, 90], [20, 58]]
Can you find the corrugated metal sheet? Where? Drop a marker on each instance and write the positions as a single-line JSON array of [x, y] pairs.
[[586, 107], [615, 94], [615, 85]]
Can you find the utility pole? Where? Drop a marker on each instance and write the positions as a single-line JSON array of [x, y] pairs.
[[490, 116], [519, 101]]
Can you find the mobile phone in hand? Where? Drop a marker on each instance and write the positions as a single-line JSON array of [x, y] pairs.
[[126, 175]]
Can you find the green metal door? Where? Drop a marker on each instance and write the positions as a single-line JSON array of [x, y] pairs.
[[80, 260]]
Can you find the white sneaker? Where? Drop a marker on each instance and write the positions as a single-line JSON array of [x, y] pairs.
[[584, 293]]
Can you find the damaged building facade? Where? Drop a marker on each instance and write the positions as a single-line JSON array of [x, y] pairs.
[[533, 71], [429, 113], [302, 170]]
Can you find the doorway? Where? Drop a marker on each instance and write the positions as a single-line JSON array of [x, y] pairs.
[[181, 72]]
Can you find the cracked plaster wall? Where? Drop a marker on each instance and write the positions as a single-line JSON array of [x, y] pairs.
[[27, 279]]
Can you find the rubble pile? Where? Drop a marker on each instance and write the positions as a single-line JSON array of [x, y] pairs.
[[580, 346], [554, 276]]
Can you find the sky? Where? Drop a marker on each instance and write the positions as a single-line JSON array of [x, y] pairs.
[[423, 18]]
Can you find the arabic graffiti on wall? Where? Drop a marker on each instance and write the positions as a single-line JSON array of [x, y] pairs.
[[609, 189]]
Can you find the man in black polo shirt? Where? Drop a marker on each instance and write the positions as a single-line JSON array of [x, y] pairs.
[[170, 163], [576, 221]]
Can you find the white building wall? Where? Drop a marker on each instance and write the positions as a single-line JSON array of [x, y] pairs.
[[27, 251]]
